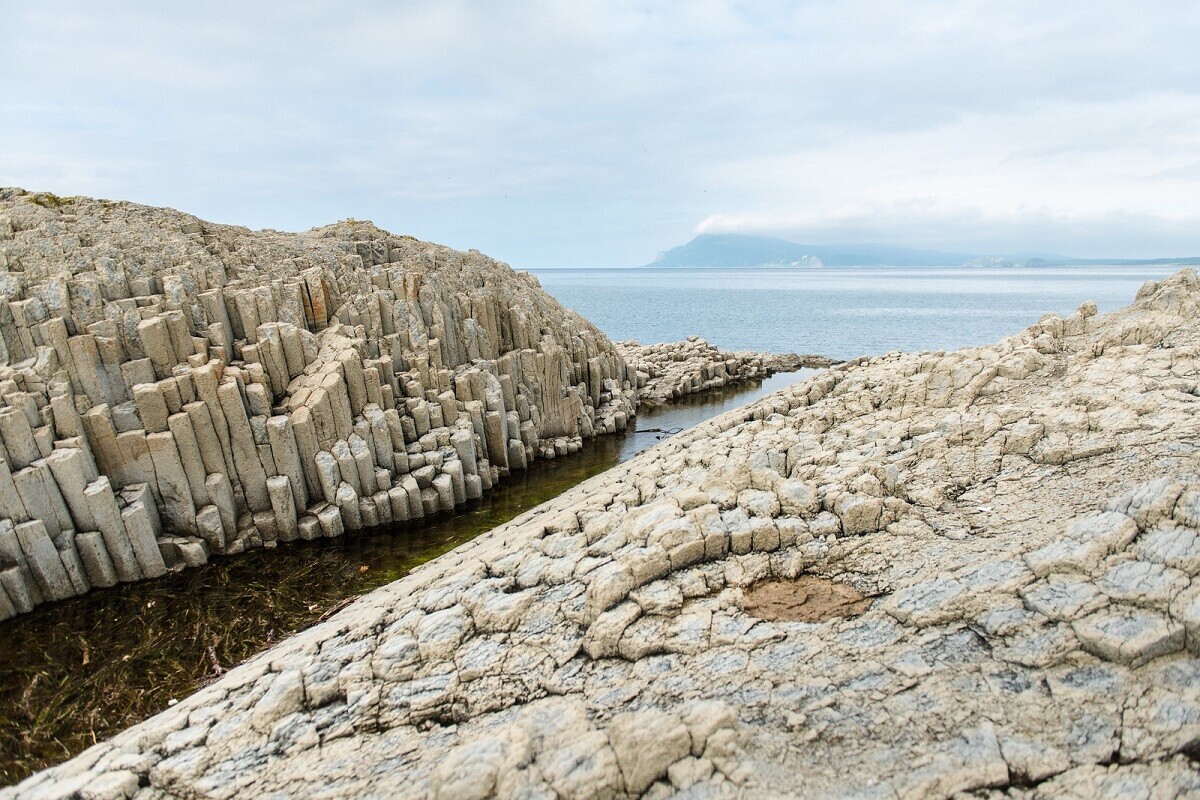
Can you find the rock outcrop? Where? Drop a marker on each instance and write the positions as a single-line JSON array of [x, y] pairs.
[[670, 370], [174, 388], [1023, 518]]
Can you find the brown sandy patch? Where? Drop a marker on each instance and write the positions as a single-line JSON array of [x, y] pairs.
[[804, 599]]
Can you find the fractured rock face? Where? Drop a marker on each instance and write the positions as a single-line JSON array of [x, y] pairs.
[[174, 388], [671, 370], [1034, 632]]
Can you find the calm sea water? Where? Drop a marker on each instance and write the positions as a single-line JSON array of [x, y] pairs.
[[838, 312]]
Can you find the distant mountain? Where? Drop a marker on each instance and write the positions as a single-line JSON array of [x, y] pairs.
[[728, 250], [732, 250]]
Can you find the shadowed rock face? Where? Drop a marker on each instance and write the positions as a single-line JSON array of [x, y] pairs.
[[1026, 514], [175, 388]]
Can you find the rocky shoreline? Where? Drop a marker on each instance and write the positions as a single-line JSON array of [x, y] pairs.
[[1020, 521], [671, 370], [175, 389]]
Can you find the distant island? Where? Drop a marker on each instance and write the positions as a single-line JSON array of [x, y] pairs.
[[732, 251]]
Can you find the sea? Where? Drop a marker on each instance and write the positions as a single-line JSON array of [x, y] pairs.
[[838, 312]]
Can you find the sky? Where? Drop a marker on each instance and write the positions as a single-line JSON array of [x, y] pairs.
[[596, 133]]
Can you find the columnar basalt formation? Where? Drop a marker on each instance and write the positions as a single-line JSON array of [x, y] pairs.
[[670, 370], [174, 388], [1024, 520]]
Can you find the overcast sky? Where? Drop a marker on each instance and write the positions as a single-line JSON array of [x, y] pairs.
[[597, 133]]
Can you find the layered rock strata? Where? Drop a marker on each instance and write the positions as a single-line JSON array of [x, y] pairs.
[[671, 370], [1025, 519], [174, 388]]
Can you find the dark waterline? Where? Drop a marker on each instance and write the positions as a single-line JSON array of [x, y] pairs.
[[79, 671]]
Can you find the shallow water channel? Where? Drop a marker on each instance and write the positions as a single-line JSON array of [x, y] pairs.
[[76, 672]]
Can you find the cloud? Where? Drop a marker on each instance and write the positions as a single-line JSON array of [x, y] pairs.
[[1084, 177], [601, 131], [1114, 234]]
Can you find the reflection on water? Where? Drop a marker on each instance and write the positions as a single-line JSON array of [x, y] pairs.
[[79, 671]]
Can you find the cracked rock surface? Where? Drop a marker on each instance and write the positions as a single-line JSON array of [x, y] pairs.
[[670, 370], [1024, 516]]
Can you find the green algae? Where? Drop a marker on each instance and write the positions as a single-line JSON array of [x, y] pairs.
[[50, 200]]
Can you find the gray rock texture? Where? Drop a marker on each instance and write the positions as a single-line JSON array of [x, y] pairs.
[[1025, 516], [174, 389], [670, 370]]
